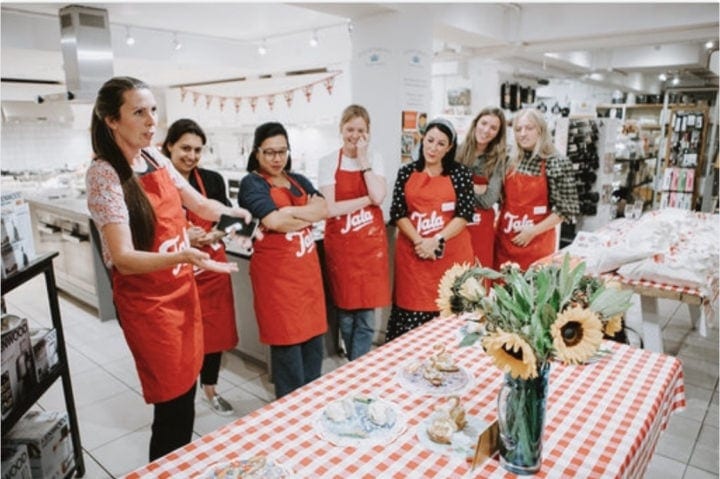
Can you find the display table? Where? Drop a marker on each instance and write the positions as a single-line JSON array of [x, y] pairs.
[[659, 275], [603, 419]]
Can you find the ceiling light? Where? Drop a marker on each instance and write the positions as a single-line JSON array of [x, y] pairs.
[[662, 77], [676, 80], [350, 26], [314, 39], [176, 43], [709, 44], [129, 39], [262, 49]]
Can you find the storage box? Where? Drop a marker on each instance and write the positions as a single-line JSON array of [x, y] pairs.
[[47, 437], [18, 247], [15, 462], [45, 353], [18, 368]]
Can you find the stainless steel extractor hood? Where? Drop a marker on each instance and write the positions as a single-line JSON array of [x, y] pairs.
[[87, 50]]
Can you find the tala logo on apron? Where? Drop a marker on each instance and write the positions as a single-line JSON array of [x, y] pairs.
[[516, 224], [305, 241], [173, 245], [427, 225], [357, 221]]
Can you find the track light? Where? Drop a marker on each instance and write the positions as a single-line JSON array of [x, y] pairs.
[[176, 43], [129, 39], [709, 44], [262, 49], [350, 26], [314, 39], [662, 77], [676, 80]]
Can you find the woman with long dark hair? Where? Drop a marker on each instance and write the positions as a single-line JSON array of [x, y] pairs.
[[136, 199], [432, 203], [288, 294]]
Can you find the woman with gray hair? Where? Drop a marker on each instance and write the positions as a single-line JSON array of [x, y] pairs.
[[539, 194]]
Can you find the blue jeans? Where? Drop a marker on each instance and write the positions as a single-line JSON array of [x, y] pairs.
[[357, 327], [295, 365]]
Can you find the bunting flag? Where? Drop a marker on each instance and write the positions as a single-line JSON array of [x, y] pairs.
[[328, 82], [289, 97]]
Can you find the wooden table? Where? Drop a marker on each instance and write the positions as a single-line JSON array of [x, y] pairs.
[[603, 419]]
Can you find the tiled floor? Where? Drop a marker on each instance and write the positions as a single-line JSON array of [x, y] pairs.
[[115, 421]]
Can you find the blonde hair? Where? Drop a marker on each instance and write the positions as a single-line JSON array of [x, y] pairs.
[[354, 111], [496, 149], [544, 146]]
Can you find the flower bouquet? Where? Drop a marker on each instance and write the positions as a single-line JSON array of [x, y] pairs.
[[524, 322]]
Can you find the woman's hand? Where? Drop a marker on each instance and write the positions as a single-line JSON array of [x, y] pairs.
[[362, 149], [480, 189], [202, 260], [524, 237], [425, 248]]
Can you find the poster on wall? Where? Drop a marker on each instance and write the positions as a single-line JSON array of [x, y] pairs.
[[458, 100], [413, 127]]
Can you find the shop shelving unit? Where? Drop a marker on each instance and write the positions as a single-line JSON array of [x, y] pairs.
[[44, 265]]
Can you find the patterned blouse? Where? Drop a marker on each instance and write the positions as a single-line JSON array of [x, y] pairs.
[[563, 195], [462, 184]]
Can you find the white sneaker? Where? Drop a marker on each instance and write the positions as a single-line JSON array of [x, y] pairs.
[[220, 406]]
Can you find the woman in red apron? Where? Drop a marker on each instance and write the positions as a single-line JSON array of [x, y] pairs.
[[135, 198], [432, 203], [356, 248], [288, 294], [539, 193], [183, 145], [484, 152]]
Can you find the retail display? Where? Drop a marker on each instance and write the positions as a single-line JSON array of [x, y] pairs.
[[683, 161], [15, 462], [47, 437], [18, 370], [42, 265], [17, 240]]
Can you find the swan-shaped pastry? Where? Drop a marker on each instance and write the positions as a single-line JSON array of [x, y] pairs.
[[457, 413], [443, 361], [432, 375], [441, 430], [339, 411], [378, 413]]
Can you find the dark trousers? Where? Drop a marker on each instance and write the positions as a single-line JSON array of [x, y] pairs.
[[210, 369], [172, 425], [296, 365]]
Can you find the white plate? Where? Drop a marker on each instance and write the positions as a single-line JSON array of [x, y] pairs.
[[243, 469], [453, 383], [358, 427], [462, 443]]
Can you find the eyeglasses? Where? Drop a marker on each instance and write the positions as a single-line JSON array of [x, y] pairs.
[[273, 153]]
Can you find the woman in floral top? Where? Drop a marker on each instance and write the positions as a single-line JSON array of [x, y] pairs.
[[539, 194]]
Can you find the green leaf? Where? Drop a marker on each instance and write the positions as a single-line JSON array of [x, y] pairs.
[[469, 339], [611, 302]]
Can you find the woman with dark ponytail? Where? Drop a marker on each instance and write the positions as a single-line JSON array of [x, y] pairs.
[[136, 199]]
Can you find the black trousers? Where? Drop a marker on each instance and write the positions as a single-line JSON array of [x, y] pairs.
[[210, 369], [172, 425]]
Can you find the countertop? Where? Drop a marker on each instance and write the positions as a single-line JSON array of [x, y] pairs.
[[77, 206]]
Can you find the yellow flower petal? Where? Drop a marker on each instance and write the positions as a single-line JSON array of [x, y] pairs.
[[577, 335], [511, 353]]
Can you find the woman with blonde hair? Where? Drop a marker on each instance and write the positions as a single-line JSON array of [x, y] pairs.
[[484, 152], [539, 194]]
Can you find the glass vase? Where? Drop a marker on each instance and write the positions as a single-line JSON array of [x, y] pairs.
[[521, 417]]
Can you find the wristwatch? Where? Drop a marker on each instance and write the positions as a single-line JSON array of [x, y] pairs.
[[365, 170]]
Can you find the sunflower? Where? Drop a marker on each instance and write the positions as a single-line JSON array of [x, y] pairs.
[[511, 353], [613, 325], [577, 335], [445, 300]]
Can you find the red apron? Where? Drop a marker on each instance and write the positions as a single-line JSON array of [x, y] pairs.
[[215, 290], [482, 229], [526, 204], [430, 207], [356, 249], [160, 311], [287, 282]]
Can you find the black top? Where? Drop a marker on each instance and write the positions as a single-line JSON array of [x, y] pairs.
[[214, 185], [461, 178]]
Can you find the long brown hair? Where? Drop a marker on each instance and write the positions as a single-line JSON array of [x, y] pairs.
[[107, 105], [496, 151]]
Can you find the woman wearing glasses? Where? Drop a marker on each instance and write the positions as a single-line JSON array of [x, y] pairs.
[[356, 248], [183, 145], [285, 271]]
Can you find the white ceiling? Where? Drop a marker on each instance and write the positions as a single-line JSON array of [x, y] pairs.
[[621, 45]]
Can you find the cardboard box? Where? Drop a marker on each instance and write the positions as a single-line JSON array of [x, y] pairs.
[[18, 368], [47, 437], [45, 352], [18, 247], [15, 462]]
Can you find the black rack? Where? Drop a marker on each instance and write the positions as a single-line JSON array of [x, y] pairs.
[[43, 264]]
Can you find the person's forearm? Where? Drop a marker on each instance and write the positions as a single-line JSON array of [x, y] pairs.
[[453, 228], [314, 210], [406, 227], [376, 186], [283, 221], [344, 207], [138, 262], [550, 222]]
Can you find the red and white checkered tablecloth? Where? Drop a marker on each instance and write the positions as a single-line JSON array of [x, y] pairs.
[[603, 419]]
